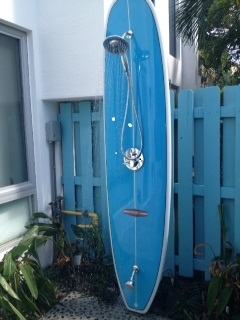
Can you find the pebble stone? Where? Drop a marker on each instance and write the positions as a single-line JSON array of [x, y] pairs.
[[78, 306]]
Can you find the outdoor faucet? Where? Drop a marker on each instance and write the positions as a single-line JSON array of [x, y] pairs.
[[130, 283]]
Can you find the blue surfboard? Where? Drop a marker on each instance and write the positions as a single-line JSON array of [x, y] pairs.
[[138, 149]]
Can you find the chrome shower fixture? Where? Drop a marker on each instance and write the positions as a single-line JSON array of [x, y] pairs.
[[130, 283], [133, 159], [116, 45], [119, 45]]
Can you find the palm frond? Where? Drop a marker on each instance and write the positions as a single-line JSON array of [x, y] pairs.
[[191, 19]]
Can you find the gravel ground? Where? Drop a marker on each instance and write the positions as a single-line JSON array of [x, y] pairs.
[[79, 306]]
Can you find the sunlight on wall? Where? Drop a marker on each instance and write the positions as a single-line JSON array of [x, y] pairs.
[[7, 9]]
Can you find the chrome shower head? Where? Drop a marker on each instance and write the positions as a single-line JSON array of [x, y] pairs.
[[116, 45]]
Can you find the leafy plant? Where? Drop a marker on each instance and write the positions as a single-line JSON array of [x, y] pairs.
[[224, 288], [25, 291], [96, 273], [89, 240], [54, 229], [183, 299]]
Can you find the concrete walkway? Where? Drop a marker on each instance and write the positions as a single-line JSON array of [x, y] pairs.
[[79, 306]]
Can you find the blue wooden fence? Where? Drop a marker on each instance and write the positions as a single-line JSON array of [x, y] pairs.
[[83, 161], [206, 135]]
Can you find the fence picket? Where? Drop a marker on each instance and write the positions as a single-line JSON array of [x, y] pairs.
[[210, 100], [86, 154], [170, 258], [232, 98], [198, 179], [228, 168], [185, 212], [68, 163]]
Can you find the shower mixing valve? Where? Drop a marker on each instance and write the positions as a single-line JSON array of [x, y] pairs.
[[133, 159]]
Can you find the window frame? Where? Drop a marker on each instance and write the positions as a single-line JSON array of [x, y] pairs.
[[26, 188], [174, 41]]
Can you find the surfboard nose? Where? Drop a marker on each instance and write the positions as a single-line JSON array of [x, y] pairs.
[[136, 213]]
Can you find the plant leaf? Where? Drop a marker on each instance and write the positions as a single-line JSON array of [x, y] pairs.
[[212, 293], [47, 229], [28, 274], [14, 309], [26, 243], [40, 215], [9, 266], [224, 298], [21, 248], [41, 240], [47, 292], [8, 288], [29, 303]]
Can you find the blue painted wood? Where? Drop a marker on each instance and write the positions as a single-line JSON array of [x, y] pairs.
[[85, 129], [232, 98], [210, 99], [199, 190], [198, 264], [198, 112], [170, 258], [228, 152], [228, 169], [185, 174], [104, 211], [206, 189], [198, 175], [83, 188], [68, 164]]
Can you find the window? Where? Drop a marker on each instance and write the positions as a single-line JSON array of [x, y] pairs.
[[173, 41], [13, 167], [17, 181]]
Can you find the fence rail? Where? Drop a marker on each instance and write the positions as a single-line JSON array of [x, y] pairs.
[[206, 137]]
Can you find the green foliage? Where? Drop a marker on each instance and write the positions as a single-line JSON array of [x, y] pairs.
[[223, 294], [224, 287], [25, 292], [96, 273], [181, 299], [89, 243], [55, 230], [215, 25]]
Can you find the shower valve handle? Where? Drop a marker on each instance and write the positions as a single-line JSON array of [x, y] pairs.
[[130, 283]]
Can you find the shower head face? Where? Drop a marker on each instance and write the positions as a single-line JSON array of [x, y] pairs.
[[116, 45]]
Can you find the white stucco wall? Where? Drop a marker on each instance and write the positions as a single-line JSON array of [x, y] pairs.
[[174, 64], [190, 78], [22, 15], [13, 12], [70, 39]]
